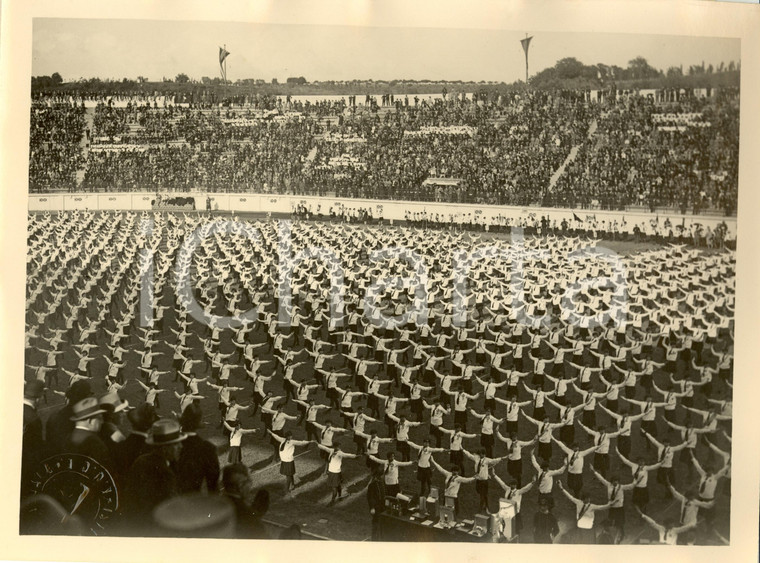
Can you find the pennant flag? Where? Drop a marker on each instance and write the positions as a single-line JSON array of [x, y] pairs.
[[525, 43], [223, 53], [576, 217]]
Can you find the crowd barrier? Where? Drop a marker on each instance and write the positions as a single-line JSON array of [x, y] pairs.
[[387, 209]]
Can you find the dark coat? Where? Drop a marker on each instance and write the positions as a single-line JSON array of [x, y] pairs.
[[88, 443], [33, 448], [149, 482], [58, 428], [545, 527], [197, 462], [129, 450], [376, 495]]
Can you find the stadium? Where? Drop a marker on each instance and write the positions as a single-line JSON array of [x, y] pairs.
[[418, 312]]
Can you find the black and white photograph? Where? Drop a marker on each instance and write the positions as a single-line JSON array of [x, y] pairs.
[[400, 284]]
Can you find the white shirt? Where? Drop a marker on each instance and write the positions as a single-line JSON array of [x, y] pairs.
[[481, 469], [424, 457], [546, 483], [391, 473], [335, 462], [327, 436], [436, 415], [603, 443], [236, 436], [487, 425], [456, 441], [287, 451], [452, 486], [513, 412], [707, 487], [641, 477], [585, 516], [402, 431], [575, 463], [616, 495]]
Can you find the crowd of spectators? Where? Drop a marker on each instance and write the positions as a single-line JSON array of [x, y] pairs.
[[634, 161], [503, 149], [55, 156]]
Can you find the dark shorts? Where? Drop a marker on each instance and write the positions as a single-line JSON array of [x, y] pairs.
[[575, 481], [589, 418], [234, 455], [624, 445], [514, 467], [456, 457], [640, 496], [545, 450], [617, 515], [372, 402], [402, 447], [424, 474], [334, 479], [567, 434], [417, 406], [460, 417], [288, 468], [266, 418]]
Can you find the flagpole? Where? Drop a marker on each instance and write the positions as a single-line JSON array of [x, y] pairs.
[[526, 45]]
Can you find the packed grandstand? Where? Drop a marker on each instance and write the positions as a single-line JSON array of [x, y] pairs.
[[603, 150]]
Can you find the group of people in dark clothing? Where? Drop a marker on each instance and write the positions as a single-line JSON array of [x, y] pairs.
[[160, 459]]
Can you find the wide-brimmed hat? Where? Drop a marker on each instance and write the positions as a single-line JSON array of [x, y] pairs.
[[196, 515], [164, 432], [112, 402], [34, 389], [86, 408], [142, 417]]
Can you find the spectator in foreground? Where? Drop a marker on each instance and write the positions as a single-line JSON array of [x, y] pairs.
[[545, 526], [152, 478]]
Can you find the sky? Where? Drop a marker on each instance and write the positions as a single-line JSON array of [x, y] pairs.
[[82, 48]]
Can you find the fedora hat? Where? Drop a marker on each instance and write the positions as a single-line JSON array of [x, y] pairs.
[[86, 408], [196, 515], [112, 402], [164, 432]]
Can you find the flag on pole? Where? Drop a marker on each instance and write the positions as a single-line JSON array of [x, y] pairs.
[[223, 53], [576, 217], [525, 43]]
